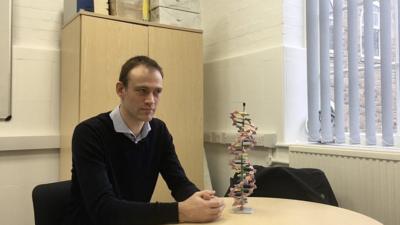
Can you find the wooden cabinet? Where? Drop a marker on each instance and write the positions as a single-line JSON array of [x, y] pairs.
[[93, 49]]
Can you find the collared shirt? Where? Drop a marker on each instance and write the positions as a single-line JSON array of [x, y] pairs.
[[121, 127]]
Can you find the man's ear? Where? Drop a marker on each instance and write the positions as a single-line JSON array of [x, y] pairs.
[[120, 89]]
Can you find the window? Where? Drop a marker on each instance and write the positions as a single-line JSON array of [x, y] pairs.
[[360, 64], [331, 32], [376, 27]]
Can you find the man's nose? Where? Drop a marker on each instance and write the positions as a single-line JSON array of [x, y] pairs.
[[150, 98]]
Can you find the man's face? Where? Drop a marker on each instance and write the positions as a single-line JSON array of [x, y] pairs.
[[139, 99]]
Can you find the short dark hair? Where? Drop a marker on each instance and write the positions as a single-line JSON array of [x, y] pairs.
[[137, 61]]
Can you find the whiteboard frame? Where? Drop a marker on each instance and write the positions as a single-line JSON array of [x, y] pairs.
[[6, 58]]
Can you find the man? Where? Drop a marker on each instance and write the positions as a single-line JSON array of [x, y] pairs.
[[117, 157]]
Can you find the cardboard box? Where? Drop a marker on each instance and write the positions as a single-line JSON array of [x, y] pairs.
[[127, 8], [185, 5], [176, 17]]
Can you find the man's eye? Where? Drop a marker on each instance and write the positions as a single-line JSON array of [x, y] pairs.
[[142, 91]]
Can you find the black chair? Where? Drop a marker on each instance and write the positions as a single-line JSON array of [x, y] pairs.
[[284, 182], [50, 202]]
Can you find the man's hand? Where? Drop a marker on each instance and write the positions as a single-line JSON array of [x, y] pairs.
[[207, 194], [202, 206]]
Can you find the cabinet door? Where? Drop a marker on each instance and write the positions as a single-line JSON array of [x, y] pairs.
[[181, 104], [69, 111], [106, 45]]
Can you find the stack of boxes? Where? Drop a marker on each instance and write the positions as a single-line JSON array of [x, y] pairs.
[[181, 13], [71, 7]]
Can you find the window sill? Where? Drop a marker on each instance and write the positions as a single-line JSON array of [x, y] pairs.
[[267, 140], [373, 152]]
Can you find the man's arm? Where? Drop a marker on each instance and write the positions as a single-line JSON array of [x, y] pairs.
[[173, 173], [103, 207], [194, 205]]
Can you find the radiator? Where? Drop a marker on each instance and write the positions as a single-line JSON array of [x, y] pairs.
[[363, 180]]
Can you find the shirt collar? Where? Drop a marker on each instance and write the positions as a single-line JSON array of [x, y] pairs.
[[121, 127]]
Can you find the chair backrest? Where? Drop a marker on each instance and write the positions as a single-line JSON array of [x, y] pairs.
[[306, 184], [50, 202]]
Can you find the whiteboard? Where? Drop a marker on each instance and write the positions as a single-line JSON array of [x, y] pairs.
[[5, 59]]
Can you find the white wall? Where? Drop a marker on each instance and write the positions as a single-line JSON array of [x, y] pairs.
[[253, 52], [243, 62], [20, 171], [35, 109], [240, 27], [294, 72]]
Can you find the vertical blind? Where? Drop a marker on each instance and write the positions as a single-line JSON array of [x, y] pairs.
[[369, 92], [354, 100], [322, 127], [338, 71]]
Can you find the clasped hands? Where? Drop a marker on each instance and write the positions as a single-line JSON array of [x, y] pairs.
[[202, 206]]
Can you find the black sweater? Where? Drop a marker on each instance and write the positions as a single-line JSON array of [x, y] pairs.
[[113, 178]]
